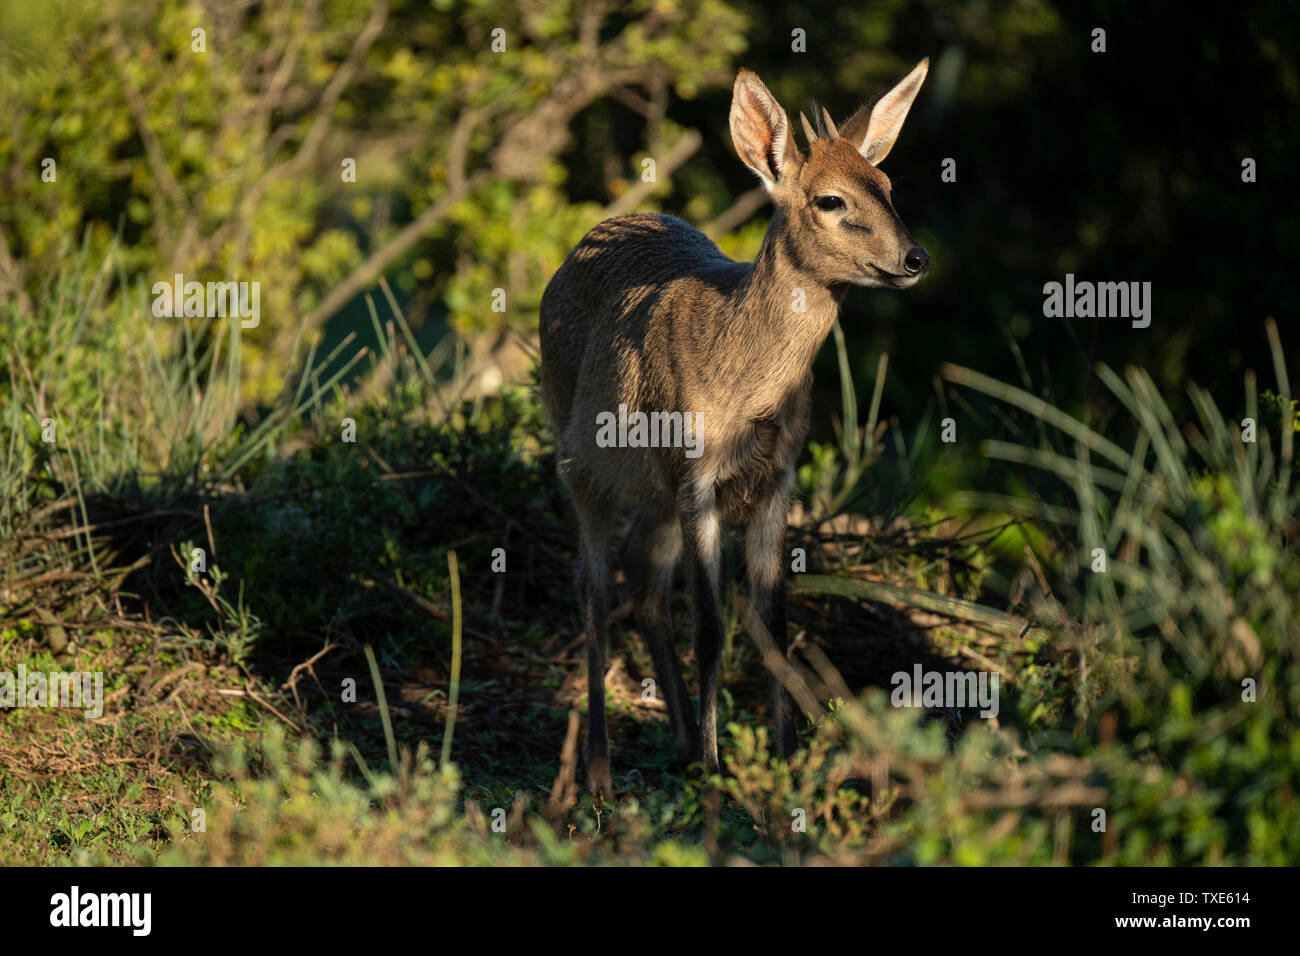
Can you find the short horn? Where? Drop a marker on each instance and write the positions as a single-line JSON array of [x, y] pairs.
[[831, 131], [808, 129]]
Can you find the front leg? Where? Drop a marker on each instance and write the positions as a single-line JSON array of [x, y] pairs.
[[764, 558], [702, 533]]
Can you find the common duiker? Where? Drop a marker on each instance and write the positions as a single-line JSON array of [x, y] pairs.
[[647, 315]]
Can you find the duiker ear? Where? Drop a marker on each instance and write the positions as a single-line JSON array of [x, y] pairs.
[[760, 130], [874, 129]]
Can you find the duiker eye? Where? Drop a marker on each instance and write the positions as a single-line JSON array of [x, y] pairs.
[[828, 203]]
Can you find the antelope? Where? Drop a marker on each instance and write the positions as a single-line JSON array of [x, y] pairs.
[[648, 314]]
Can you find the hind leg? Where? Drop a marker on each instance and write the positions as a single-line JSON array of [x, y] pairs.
[[650, 553], [593, 593]]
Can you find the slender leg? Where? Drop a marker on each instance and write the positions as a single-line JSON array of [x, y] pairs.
[[703, 547], [594, 594], [764, 558], [650, 552]]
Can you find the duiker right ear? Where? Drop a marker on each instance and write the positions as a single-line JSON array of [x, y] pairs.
[[760, 130]]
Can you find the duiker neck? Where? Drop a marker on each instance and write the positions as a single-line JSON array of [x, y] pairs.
[[782, 312]]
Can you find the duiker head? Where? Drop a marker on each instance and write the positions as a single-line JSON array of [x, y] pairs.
[[839, 215]]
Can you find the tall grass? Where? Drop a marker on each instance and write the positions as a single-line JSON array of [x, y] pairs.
[[1195, 524], [100, 399]]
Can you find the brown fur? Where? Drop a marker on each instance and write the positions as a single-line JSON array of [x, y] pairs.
[[647, 312]]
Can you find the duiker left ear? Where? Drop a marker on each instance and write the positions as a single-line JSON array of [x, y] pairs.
[[874, 129]]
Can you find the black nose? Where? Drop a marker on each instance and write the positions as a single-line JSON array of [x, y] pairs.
[[916, 261]]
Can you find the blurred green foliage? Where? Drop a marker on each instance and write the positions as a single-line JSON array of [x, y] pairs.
[[225, 160]]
